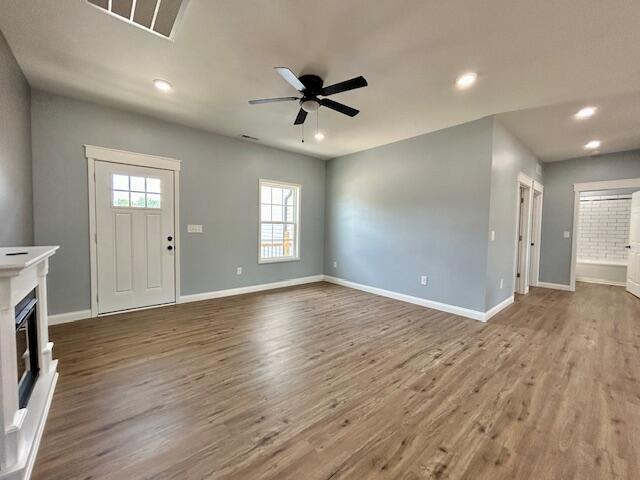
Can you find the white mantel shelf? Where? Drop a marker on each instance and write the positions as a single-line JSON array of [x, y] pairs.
[[22, 428]]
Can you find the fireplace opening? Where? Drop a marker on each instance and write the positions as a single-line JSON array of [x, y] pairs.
[[27, 347]]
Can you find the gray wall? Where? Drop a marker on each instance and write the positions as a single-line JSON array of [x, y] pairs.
[[219, 189], [509, 158], [419, 206], [557, 215], [16, 197]]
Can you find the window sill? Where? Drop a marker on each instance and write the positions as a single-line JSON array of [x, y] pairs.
[[278, 260]]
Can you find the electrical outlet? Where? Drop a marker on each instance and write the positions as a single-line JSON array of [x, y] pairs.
[[424, 280], [567, 234], [335, 264], [194, 228], [502, 283], [239, 271]]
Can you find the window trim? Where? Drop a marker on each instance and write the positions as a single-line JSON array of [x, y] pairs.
[[266, 182]]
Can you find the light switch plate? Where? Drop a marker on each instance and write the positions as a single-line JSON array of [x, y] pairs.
[[493, 235], [191, 228], [567, 234]]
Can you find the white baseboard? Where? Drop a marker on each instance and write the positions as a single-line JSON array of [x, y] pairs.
[[601, 281], [69, 317], [250, 289], [555, 286], [444, 307], [499, 307]]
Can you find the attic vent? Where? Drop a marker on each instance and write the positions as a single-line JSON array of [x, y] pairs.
[[249, 137], [157, 16]]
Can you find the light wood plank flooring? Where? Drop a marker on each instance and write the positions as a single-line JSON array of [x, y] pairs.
[[325, 382]]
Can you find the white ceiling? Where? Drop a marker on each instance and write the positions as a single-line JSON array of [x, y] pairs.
[[546, 58]]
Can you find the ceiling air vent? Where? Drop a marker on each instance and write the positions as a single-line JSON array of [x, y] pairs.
[[157, 16]]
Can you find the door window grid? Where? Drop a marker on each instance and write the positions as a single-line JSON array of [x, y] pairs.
[[136, 192], [279, 205]]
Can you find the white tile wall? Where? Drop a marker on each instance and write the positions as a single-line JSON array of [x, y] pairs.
[[603, 228]]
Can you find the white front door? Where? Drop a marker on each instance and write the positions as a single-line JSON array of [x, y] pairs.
[[134, 236], [633, 264]]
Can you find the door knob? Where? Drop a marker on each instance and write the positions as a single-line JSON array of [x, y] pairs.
[[627, 246], [170, 247], [169, 238]]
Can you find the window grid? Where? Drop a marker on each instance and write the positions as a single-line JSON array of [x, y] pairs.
[[135, 192], [279, 214]]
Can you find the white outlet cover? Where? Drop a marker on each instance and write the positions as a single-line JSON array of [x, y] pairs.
[[239, 271], [335, 264], [501, 283], [567, 234], [423, 280]]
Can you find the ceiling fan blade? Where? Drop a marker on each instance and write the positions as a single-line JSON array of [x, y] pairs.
[[302, 116], [339, 107], [271, 100], [352, 84], [290, 77]]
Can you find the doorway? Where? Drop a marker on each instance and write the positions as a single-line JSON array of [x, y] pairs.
[[134, 230], [528, 222]]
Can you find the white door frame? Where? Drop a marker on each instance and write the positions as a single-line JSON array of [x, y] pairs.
[[93, 154], [522, 283], [587, 187], [536, 235]]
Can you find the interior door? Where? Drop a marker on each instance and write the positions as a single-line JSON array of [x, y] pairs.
[[134, 236], [633, 264]]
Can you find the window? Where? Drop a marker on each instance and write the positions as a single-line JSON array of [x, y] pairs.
[[135, 192], [279, 222]]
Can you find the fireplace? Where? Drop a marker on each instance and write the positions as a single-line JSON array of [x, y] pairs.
[[27, 347]]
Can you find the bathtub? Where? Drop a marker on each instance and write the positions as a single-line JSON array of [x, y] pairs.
[[609, 272]]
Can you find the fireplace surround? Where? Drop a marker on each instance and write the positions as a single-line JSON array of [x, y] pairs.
[[28, 373]]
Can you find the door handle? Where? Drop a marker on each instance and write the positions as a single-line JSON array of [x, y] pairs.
[[170, 247], [169, 238], [627, 246]]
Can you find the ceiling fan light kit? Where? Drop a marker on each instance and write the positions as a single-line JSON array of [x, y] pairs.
[[312, 88]]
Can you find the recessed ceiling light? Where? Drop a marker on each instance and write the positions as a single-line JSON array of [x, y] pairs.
[[466, 80], [162, 85], [593, 144], [586, 112], [319, 136]]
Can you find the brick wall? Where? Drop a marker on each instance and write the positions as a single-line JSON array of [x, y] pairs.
[[603, 229]]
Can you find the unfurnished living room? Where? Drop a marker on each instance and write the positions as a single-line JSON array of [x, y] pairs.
[[298, 240]]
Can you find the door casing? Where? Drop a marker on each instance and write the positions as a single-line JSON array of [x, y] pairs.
[[587, 187], [93, 154]]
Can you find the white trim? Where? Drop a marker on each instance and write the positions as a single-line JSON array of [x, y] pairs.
[[69, 317], [499, 307], [536, 235], [131, 158], [423, 302], [555, 286], [587, 187], [522, 265], [102, 154], [600, 281], [298, 187], [196, 297]]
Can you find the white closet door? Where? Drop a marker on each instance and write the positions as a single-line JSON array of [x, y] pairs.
[[135, 237], [633, 265]]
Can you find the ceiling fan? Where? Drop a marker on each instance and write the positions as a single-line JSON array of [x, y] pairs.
[[311, 87]]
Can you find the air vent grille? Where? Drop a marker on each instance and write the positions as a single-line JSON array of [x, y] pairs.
[[157, 16]]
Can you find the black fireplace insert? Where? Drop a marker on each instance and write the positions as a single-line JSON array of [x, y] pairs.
[[27, 346]]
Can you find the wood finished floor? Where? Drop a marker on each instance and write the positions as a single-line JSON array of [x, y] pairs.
[[325, 382]]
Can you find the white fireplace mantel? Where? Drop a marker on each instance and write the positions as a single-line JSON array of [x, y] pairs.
[[22, 427]]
